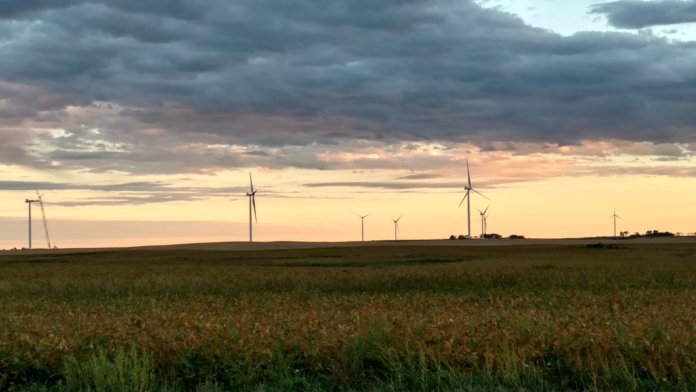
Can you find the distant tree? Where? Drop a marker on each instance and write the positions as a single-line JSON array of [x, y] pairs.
[[657, 233], [492, 236], [652, 233], [453, 237], [461, 237], [516, 237]]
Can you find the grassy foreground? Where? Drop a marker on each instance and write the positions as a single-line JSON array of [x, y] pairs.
[[363, 318]]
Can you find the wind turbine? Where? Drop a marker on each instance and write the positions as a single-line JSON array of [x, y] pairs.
[[468, 188], [252, 204], [29, 202], [615, 216], [484, 227], [362, 226], [43, 214], [396, 226]]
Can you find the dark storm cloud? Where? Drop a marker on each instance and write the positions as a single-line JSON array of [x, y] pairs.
[[632, 14], [278, 75]]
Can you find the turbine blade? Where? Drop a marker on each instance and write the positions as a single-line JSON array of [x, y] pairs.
[[398, 219], [468, 174], [486, 197], [251, 183], [253, 202], [397, 228], [464, 198], [486, 210]]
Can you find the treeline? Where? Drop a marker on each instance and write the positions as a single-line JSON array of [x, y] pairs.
[[491, 236], [648, 234]]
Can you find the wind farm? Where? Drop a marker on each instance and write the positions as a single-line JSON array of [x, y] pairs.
[[380, 234]]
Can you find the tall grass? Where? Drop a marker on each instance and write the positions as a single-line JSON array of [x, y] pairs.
[[124, 370], [413, 318]]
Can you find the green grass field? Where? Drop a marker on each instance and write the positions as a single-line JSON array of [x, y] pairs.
[[553, 317]]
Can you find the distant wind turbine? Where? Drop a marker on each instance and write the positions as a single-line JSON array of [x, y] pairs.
[[615, 216], [43, 214], [29, 202], [396, 226], [468, 188], [252, 205], [484, 225], [362, 225]]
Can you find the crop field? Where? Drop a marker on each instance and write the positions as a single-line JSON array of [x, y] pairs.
[[522, 317]]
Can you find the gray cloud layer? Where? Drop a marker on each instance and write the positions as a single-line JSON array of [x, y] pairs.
[[164, 82], [130, 193], [632, 14]]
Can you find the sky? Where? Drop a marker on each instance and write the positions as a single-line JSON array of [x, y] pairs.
[[141, 121]]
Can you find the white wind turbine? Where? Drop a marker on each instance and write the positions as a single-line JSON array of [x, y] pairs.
[[252, 205], [615, 216], [43, 215], [362, 226], [484, 223], [468, 188], [396, 226], [29, 202]]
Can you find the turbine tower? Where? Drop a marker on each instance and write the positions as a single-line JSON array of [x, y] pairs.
[[615, 216], [484, 227], [252, 205], [468, 188], [396, 226], [45, 221], [485, 222], [362, 226], [29, 202]]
